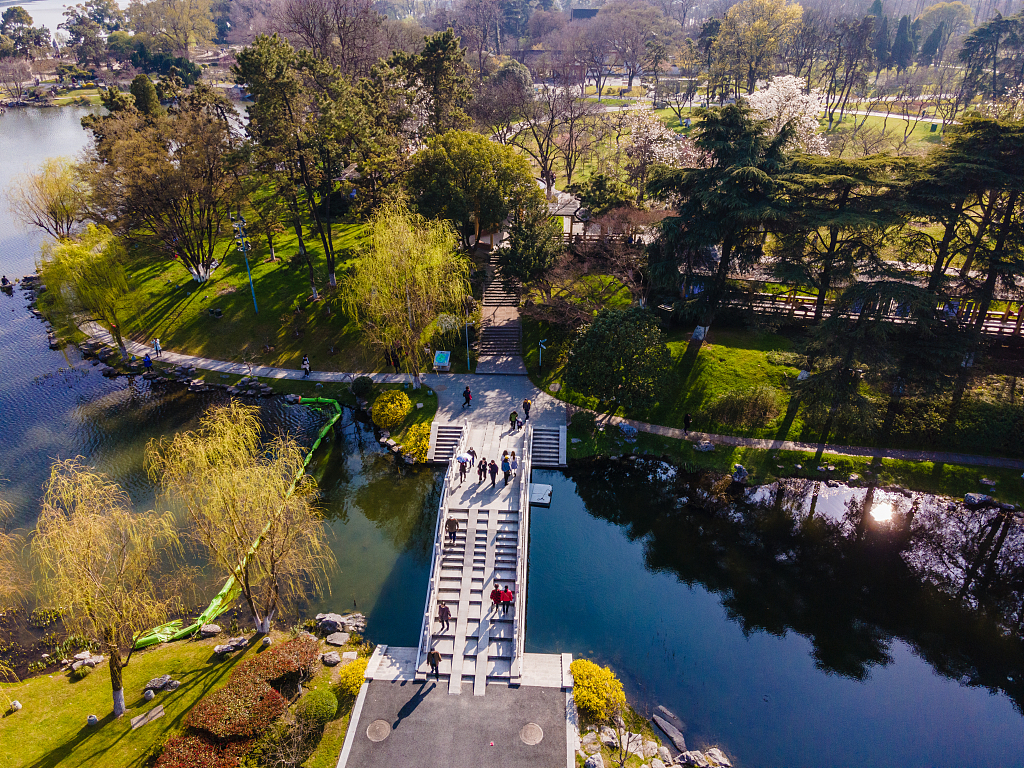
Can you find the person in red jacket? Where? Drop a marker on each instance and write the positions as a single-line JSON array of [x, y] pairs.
[[496, 596], [506, 600]]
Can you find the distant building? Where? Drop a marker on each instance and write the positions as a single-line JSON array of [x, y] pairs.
[[578, 14]]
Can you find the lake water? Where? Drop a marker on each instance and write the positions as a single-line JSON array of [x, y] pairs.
[[803, 649]]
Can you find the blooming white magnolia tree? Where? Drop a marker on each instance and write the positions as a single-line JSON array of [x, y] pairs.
[[785, 100], [651, 142]]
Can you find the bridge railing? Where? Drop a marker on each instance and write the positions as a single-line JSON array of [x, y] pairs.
[[519, 619], [435, 564]]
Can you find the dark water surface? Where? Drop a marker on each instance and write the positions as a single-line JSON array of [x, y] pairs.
[[788, 654]]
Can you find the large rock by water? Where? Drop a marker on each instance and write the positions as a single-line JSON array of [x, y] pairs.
[[674, 734], [337, 638], [718, 757]]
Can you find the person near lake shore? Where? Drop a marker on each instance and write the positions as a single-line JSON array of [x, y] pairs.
[[451, 526], [156, 348], [687, 420], [527, 404], [481, 470], [305, 366], [513, 463], [467, 397], [496, 596], [506, 468], [493, 468], [4, 281], [512, 419], [434, 660], [147, 362], [444, 613]]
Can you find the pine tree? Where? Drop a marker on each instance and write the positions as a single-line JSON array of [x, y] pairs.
[[930, 48], [146, 100], [902, 54], [875, 9], [880, 46]]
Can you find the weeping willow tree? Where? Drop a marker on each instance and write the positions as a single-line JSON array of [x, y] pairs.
[[54, 198], [105, 564], [249, 504], [408, 274], [87, 277], [12, 585]]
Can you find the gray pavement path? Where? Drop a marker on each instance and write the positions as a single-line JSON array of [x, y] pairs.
[[424, 727], [496, 396]]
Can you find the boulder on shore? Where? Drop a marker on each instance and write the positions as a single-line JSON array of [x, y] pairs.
[[331, 659], [338, 638], [718, 757], [674, 734]]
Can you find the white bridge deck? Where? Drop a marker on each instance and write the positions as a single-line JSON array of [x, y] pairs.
[[483, 644]]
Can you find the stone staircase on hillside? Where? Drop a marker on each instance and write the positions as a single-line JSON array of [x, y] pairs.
[[500, 340]]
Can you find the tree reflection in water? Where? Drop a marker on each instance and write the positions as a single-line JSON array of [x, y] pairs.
[[945, 579]]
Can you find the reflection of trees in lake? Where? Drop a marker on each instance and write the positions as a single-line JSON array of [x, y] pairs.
[[848, 583]]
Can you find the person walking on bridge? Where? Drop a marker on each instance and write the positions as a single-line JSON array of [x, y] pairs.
[[481, 470], [506, 600], [512, 419], [434, 660], [496, 597], [451, 525], [444, 613], [506, 468], [467, 397], [527, 404], [493, 468]]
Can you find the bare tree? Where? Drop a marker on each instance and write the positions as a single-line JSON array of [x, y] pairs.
[[542, 122], [15, 77], [350, 34]]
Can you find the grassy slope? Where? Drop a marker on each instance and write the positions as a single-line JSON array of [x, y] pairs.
[[51, 730], [173, 308]]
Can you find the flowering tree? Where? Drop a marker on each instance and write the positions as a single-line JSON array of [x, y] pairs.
[[784, 100], [650, 143]]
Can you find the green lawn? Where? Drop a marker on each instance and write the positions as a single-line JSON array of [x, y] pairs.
[[51, 730], [170, 306]]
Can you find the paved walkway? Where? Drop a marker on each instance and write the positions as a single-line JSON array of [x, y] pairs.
[[495, 396]]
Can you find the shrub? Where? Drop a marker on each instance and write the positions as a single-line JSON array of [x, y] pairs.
[[350, 679], [200, 751], [391, 408], [746, 407], [584, 421], [362, 387], [317, 708], [596, 691], [417, 442], [792, 359], [281, 666], [244, 708], [81, 673]]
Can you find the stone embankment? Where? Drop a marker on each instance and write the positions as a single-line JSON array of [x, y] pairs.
[[620, 741]]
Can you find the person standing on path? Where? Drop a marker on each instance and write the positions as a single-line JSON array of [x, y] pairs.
[[156, 348], [434, 660], [305, 366], [527, 404], [467, 397], [481, 470], [513, 462], [444, 613], [512, 419], [506, 468], [493, 468], [686, 424], [451, 525], [463, 467]]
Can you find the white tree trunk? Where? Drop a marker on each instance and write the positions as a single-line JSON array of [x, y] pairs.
[[119, 708], [333, 281]]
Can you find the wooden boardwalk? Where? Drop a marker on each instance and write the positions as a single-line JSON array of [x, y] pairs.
[[483, 644]]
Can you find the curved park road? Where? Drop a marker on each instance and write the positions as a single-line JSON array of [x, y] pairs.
[[495, 396]]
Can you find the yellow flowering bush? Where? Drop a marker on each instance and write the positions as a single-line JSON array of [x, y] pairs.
[[417, 442], [350, 679], [391, 408], [596, 690]]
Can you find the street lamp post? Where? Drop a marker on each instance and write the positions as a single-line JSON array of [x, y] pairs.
[[469, 368], [540, 353], [244, 246]]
